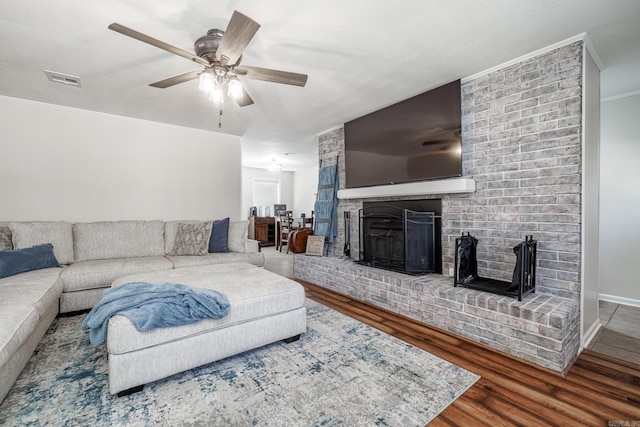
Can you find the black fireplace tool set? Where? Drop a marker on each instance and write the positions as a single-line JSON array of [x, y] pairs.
[[523, 281]]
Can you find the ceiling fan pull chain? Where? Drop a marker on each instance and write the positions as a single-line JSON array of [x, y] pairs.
[[220, 119]]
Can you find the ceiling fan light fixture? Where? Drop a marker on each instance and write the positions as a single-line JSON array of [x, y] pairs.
[[235, 88], [216, 96], [220, 52], [207, 82]]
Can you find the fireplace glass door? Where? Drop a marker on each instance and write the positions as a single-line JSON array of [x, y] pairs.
[[419, 242]]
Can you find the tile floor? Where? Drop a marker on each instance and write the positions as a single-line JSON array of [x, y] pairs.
[[619, 337]]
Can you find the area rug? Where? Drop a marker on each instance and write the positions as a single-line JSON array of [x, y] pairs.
[[340, 373]]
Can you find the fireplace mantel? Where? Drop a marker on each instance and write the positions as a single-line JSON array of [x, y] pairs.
[[423, 188]]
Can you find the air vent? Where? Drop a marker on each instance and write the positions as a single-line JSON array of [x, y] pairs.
[[66, 79]]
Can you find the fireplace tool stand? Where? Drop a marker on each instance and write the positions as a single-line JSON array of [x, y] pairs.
[[524, 273]]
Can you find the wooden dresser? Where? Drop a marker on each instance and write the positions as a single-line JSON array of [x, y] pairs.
[[263, 229]]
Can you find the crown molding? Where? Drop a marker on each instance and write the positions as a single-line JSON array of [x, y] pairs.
[[579, 37]]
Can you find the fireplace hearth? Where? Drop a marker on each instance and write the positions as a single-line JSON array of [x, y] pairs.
[[401, 236]]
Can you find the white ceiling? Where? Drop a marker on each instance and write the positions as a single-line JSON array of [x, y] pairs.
[[360, 56]]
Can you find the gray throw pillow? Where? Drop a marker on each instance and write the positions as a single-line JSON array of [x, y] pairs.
[[5, 239], [237, 235], [192, 239]]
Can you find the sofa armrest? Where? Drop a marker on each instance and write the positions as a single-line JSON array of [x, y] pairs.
[[251, 245]]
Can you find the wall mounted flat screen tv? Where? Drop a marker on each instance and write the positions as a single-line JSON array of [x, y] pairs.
[[414, 140]]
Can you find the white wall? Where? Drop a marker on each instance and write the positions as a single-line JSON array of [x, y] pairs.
[[305, 189], [590, 317], [59, 163], [620, 200], [286, 187]]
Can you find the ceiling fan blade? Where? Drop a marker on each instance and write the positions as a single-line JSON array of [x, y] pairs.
[[245, 100], [157, 43], [163, 84], [237, 36], [274, 76]]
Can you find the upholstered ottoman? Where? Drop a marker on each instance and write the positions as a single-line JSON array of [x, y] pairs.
[[265, 308]]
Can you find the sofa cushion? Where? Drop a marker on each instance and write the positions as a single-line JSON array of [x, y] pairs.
[[5, 238], [100, 273], [192, 239], [21, 260], [118, 239], [18, 320], [237, 235], [255, 258], [41, 288], [219, 241], [27, 234]]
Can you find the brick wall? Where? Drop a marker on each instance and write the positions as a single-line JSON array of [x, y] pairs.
[[521, 139]]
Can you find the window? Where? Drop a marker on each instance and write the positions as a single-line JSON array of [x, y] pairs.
[[266, 193]]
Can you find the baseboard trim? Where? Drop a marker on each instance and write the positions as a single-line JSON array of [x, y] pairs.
[[591, 334], [619, 300]]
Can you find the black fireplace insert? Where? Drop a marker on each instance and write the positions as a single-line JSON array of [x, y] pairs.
[[396, 238]]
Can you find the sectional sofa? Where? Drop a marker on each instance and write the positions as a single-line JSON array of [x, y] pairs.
[[88, 258]]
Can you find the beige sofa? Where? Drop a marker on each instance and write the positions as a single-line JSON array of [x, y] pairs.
[[91, 256]]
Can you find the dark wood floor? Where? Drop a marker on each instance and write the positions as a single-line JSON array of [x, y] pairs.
[[511, 392]]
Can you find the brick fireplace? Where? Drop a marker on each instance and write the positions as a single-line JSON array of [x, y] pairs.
[[521, 142]]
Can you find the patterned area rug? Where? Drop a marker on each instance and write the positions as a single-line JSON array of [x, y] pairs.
[[341, 372]]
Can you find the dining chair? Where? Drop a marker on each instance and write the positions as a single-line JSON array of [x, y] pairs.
[[285, 224], [307, 222]]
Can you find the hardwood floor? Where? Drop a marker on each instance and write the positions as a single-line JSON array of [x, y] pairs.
[[511, 392]]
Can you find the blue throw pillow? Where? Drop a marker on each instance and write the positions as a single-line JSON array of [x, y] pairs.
[[219, 241], [21, 260]]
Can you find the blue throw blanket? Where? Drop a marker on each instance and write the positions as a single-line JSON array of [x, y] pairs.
[[154, 305]]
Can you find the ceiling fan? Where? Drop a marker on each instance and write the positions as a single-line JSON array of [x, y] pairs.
[[220, 53]]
